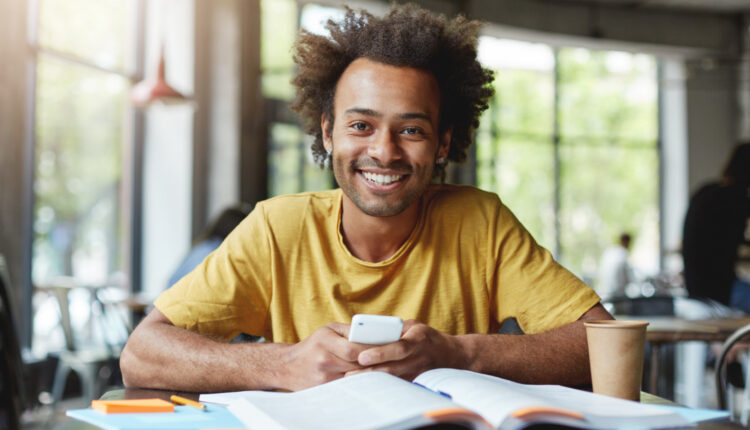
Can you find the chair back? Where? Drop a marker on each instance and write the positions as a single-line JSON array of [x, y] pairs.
[[721, 364], [12, 401]]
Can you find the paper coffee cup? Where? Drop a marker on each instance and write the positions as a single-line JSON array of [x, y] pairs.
[[616, 353]]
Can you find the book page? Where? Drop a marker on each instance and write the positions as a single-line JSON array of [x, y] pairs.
[[367, 400], [496, 398]]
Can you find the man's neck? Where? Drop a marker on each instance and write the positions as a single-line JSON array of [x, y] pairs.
[[375, 239]]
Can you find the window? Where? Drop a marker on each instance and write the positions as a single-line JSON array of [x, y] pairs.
[[570, 143], [290, 164], [84, 51]]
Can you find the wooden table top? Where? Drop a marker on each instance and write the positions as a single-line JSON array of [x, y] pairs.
[[674, 329]]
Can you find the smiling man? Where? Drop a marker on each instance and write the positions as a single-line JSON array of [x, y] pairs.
[[389, 100]]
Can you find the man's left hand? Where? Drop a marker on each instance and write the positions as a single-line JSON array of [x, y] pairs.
[[420, 348]]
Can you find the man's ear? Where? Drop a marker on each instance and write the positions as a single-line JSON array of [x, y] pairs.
[[445, 144], [324, 126]]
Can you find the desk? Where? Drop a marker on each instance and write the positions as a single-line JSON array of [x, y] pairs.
[[140, 393], [668, 330]]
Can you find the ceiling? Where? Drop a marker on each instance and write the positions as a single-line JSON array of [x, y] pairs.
[[716, 6]]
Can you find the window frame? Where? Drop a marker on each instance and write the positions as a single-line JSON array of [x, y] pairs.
[[133, 140]]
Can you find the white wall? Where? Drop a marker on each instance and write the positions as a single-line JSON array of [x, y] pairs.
[[168, 146]]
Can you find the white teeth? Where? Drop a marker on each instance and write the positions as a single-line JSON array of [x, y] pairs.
[[381, 179]]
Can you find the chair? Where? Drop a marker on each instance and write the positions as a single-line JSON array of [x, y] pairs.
[[94, 364], [722, 386], [12, 397]]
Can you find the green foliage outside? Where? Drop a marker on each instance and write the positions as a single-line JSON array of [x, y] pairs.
[[290, 166], [608, 157], [79, 126], [80, 115], [97, 31]]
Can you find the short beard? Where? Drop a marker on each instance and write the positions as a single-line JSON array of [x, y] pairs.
[[378, 208]]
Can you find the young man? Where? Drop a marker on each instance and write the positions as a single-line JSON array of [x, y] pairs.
[[389, 100]]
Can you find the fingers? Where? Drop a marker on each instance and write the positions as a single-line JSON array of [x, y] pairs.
[[337, 342], [415, 335], [384, 353], [406, 369]]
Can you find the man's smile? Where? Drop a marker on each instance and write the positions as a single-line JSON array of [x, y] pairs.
[[382, 179]]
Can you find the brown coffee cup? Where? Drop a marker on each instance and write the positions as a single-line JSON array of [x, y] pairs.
[[616, 353]]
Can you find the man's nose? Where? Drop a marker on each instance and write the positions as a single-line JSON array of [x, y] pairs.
[[385, 148]]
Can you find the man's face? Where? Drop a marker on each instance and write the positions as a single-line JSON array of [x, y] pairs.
[[385, 136]]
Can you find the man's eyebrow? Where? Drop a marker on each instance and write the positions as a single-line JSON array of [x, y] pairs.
[[370, 112], [364, 111], [415, 115]]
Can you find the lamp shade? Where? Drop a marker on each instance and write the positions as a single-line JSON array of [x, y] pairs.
[[157, 89]]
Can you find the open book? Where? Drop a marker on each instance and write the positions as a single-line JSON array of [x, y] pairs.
[[376, 400]]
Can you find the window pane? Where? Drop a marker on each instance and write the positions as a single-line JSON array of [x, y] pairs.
[[607, 190], [278, 27], [525, 101], [79, 129], [94, 30], [285, 160], [608, 93], [515, 156], [524, 84], [522, 174]]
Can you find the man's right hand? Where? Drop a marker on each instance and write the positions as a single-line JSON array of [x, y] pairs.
[[160, 355], [324, 356]]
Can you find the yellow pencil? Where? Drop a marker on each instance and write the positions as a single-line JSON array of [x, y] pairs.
[[183, 401]]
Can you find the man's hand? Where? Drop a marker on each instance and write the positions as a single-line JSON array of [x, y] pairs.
[[420, 348], [322, 357]]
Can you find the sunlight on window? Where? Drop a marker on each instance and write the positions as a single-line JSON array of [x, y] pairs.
[[607, 132], [92, 30], [314, 18]]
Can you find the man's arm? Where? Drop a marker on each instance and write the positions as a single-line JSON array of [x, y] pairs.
[[559, 356], [160, 355]]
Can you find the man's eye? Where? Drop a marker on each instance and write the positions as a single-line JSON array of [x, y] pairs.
[[359, 126], [412, 130]]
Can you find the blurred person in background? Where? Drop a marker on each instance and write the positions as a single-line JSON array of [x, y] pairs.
[[716, 233], [210, 239], [615, 272]]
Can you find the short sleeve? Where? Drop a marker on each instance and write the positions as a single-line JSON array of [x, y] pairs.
[[230, 291], [528, 284]]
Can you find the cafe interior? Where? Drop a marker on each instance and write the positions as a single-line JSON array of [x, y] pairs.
[[129, 128]]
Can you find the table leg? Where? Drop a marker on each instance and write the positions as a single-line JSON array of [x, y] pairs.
[[654, 374]]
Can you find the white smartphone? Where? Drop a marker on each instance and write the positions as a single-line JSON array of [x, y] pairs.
[[375, 329]]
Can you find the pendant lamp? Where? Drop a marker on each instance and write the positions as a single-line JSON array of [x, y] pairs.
[[156, 90]]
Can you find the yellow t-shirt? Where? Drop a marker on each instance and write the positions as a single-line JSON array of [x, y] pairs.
[[467, 266]]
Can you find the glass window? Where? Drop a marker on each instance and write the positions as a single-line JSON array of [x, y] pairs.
[[278, 30], [79, 144], [290, 164], [608, 156], [81, 114], [96, 31], [595, 175], [515, 156]]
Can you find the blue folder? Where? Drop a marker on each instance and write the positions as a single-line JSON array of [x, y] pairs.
[[184, 417]]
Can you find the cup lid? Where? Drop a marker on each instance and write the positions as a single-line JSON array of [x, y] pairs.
[[615, 323]]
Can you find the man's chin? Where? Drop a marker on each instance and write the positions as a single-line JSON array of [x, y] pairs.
[[381, 210]]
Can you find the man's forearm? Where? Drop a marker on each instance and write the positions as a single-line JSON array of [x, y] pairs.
[[559, 356], [159, 355], [531, 359]]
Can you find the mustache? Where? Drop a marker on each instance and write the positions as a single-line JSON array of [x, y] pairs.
[[398, 166]]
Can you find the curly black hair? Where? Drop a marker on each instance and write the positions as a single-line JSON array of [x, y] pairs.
[[407, 36]]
